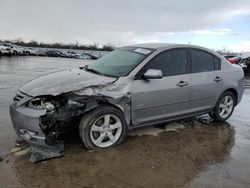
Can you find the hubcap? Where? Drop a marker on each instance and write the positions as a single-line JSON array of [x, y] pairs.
[[226, 106], [106, 130]]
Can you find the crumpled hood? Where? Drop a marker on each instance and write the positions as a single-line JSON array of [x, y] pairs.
[[64, 81]]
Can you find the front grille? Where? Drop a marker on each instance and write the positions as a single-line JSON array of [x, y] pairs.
[[19, 96]]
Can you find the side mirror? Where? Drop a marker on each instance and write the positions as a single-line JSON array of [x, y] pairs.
[[153, 74]]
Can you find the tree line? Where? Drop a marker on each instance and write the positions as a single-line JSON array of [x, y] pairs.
[[76, 46]]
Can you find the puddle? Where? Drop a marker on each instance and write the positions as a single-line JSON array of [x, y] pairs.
[[154, 131]]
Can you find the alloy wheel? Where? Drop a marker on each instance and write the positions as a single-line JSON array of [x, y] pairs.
[[106, 130]]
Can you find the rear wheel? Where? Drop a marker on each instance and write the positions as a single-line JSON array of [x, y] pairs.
[[224, 107], [103, 127]]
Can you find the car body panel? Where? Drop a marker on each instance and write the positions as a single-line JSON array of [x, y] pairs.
[[63, 81], [159, 98], [204, 90]]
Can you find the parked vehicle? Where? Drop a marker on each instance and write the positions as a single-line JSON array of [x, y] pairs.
[[16, 50], [41, 52], [133, 86], [234, 59], [30, 51], [55, 53], [246, 63], [89, 56], [72, 54], [4, 50], [229, 56]]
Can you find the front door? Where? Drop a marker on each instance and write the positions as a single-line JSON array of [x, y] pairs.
[[157, 99]]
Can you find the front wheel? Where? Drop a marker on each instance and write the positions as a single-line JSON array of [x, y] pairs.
[[224, 107], [103, 127]]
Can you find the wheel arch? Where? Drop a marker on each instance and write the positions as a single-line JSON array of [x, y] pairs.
[[235, 93], [125, 112]]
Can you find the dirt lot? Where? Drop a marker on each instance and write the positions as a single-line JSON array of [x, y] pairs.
[[170, 159], [196, 155]]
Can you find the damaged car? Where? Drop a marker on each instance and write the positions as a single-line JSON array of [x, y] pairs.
[[131, 87]]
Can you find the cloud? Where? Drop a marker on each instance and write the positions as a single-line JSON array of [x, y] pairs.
[[151, 38], [216, 32], [120, 22], [243, 46]]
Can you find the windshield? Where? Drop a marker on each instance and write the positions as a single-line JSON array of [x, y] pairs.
[[119, 62]]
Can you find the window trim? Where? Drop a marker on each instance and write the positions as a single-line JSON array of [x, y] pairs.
[[191, 60], [139, 74]]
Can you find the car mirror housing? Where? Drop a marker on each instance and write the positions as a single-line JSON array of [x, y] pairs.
[[153, 74]]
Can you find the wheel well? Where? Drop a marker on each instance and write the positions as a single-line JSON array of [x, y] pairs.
[[110, 104], [234, 92]]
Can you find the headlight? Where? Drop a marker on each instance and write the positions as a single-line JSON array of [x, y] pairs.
[[49, 106], [38, 103]]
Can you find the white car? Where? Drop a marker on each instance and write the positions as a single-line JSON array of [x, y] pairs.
[[30, 51], [5, 50], [16, 50]]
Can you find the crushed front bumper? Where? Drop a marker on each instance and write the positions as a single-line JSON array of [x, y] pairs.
[[26, 122]]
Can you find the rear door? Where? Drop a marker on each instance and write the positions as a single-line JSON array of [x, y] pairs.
[[157, 99], [206, 79]]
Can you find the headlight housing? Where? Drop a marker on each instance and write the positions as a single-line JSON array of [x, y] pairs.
[[40, 104]]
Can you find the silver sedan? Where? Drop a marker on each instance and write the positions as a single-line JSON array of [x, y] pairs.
[[133, 86]]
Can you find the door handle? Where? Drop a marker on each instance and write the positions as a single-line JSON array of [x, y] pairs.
[[218, 79], [182, 84]]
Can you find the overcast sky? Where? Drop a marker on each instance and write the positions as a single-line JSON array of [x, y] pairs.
[[210, 23]]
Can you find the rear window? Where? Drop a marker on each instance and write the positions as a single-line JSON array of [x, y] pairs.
[[203, 61]]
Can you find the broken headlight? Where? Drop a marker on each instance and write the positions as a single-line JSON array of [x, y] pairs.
[[39, 104], [49, 106]]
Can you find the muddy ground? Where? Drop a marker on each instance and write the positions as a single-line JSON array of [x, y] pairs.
[[171, 155], [170, 159]]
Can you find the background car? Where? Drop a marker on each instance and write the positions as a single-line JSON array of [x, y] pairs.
[[55, 53], [72, 54], [16, 50], [30, 51], [4, 50], [89, 56]]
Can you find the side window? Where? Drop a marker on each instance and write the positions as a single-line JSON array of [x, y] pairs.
[[217, 63], [202, 61], [170, 62]]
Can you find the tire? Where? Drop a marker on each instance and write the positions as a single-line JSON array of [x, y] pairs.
[[27, 53], [15, 53], [102, 128], [226, 101]]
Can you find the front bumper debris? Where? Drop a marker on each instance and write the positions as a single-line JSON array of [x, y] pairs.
[[40, 153], [26, 123]]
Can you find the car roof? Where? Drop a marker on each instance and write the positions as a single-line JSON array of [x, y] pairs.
[[159, 46], [153, 45], [165, 45]]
